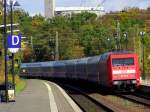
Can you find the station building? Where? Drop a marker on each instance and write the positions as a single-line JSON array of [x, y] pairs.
[[63, 11], [52, 10]]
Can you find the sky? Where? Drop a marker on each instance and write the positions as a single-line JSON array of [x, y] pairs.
[[37, 6]]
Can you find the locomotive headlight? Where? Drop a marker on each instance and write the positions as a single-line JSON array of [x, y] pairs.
[[134, 82], [115, 82], [23, 70]]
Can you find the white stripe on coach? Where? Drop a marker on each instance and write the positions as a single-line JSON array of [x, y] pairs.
[[53, 106], [116, 71], [131, 71], [124, 71], [70, 101]]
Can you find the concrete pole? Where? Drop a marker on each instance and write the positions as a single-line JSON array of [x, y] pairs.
[[118, 34], [56, 47], [31, 40]]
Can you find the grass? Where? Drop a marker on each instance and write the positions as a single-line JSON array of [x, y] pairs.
[[20, 86], [20, 83]]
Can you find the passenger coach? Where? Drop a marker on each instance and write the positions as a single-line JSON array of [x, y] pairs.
[[117, 70]]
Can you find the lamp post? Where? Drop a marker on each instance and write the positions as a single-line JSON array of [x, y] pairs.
[[5, 52], [12, 3], [116, 39], [109, 45], [142, 39], [126, 38]]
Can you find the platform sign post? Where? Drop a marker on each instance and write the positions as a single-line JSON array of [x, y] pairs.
[[14, 44]]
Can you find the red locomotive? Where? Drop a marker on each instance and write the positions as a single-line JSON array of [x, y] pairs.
[[117, 70], [123, 71]]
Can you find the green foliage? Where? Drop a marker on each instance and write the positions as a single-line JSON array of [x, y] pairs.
[[82, 34]]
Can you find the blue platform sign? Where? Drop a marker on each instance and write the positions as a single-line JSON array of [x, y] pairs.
[[14, 41]]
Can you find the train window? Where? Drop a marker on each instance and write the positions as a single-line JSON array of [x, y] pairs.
[[122, 61], [102, 57]]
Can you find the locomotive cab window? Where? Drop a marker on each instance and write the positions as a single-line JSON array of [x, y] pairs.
[[122, 61]]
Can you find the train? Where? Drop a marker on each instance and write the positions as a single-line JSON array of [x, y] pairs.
[[117, 70]]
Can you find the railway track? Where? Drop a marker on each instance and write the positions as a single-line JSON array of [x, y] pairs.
[[87, 96], [137, 98], [142, 94], [88, 101]]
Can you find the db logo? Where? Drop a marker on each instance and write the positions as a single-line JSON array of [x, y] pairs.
[[124, 71]]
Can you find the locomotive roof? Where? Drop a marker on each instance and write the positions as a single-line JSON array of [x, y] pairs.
[[121, 52]]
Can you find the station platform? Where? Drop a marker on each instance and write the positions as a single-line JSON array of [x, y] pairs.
[[146, 82], [41, 96]]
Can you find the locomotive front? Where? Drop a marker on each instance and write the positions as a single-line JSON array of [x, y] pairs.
[[124, 71]]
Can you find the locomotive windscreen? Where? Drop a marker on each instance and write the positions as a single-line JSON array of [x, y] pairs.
[[122, 61]]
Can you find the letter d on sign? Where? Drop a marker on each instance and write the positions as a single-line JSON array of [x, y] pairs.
[[15, 40]]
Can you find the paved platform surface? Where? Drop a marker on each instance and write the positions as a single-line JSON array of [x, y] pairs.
[[146, 82], [41, 96]]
